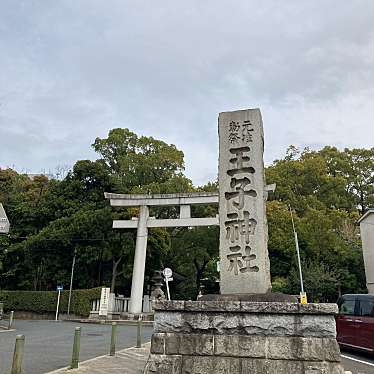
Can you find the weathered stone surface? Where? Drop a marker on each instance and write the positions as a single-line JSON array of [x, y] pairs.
[[161, 364], [318, 308], [216, 365], [212, 306], [302, 349], [256, 346], [158, 343], [189, 344], [252, 297], [246, 324], [245, 307], [168, 305], [240, 346], [244, 259]]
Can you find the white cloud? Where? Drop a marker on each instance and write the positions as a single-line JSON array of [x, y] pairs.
[[72, 70]]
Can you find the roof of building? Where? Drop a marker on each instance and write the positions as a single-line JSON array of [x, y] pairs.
[[366, 215]]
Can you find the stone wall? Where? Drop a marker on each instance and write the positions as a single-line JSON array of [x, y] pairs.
[[244, 337]]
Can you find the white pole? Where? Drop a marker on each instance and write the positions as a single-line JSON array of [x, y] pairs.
[[71, 281], [298, 253], [137, 283], [58, 304], [167, 287]]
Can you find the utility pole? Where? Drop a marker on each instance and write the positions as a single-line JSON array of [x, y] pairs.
[[71, 280], [303, 297]]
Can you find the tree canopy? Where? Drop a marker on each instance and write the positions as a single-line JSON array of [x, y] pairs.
[[53, 220]]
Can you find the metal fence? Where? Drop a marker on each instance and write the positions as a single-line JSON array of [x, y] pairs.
[[122, 305]]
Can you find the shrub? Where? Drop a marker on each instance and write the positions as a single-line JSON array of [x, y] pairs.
[[45, 301]]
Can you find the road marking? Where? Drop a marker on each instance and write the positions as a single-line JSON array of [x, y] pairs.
[[360, 361]]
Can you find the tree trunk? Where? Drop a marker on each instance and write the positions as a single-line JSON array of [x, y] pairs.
[[199, 273], [114, 273]]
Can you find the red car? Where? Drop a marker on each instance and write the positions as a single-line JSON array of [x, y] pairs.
[[355, 322]]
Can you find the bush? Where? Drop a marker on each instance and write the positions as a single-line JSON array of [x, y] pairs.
[[45, 301]]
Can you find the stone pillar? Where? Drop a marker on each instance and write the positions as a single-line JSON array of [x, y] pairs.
[[367, 237], [244, 259], [137, 284]]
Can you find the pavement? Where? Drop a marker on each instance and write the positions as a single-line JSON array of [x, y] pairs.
[[49, 344], [128, 361]]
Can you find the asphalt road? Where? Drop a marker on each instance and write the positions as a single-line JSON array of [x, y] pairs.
[[358, 363], [48, 344]]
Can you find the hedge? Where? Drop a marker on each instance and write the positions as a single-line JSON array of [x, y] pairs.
[[45, 301]]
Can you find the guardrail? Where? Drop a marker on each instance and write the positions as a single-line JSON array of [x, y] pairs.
[[122, 305]]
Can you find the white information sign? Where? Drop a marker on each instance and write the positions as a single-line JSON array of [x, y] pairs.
[[4, 222], [168, 273], [104, 302]]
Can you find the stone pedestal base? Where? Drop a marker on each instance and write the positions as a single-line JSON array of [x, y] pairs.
[[237, 337]]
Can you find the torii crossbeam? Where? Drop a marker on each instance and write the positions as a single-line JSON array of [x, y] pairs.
[[144, 221]]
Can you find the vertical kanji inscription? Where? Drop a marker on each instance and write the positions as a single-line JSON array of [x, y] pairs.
[[243, 229]]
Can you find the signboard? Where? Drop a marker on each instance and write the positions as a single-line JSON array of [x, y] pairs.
[[104, 302], [60, 288], [167, 273], [4, 222]]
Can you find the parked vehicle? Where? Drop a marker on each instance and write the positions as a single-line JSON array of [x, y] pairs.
[[355, 322]]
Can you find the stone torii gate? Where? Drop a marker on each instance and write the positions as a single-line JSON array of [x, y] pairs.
[[144, 221]]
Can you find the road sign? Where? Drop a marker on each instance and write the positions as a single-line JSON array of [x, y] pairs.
[[168, 273], [4, 222], [59, 289]]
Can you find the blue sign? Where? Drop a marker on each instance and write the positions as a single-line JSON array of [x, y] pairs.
[[60, 288]]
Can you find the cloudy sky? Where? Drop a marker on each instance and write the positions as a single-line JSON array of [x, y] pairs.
[[70, 70]]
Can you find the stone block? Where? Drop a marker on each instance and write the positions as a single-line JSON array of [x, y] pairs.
[[212, 306], [207, 365], [158, 343], [161, 364], [246, 324], [168, 305], [284, 367], [331, 350], [324, 308], [303, 349], [240, 346], [250, 366], [189, 344], [268, 307]]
